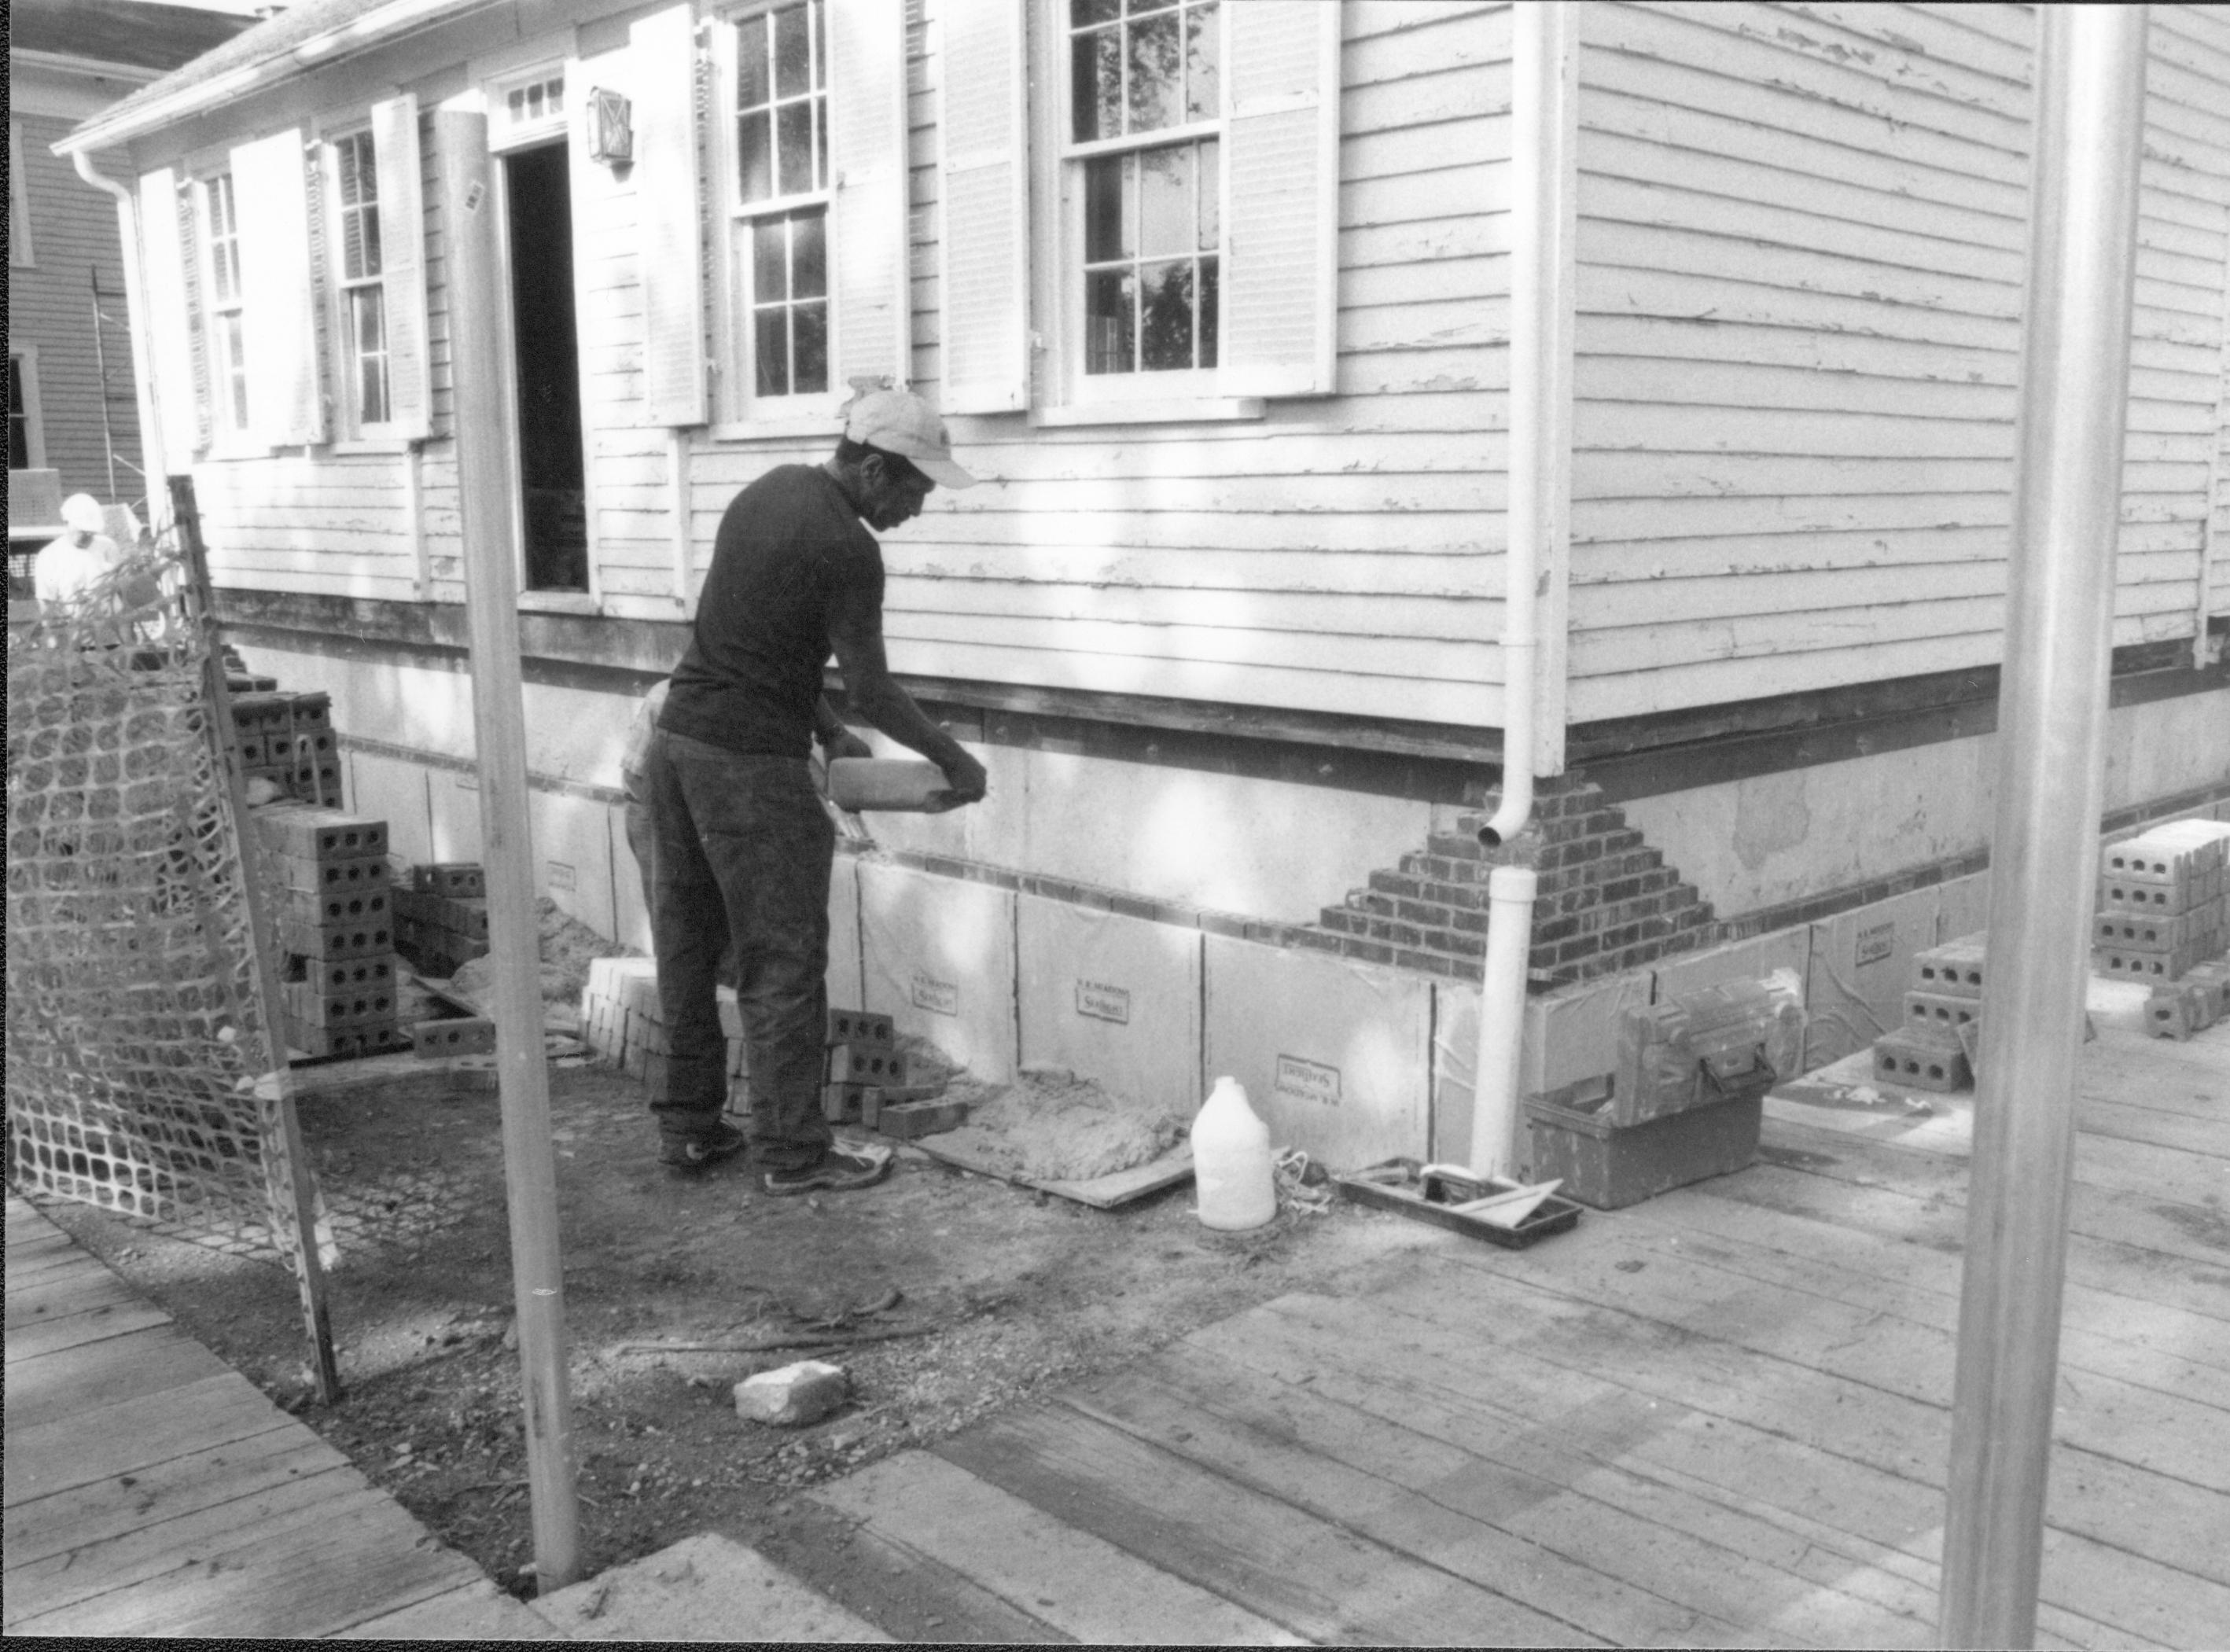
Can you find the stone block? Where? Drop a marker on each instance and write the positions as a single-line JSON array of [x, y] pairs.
[[1113, 998], [1336, 1055], [1918, 1064], [464, 1035], [793, 1396], [938, 958]]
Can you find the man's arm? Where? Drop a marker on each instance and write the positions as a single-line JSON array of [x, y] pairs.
[[856, 631], [836, 740]]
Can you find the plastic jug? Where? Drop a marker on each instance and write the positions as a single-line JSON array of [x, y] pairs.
[[1231, 1160]]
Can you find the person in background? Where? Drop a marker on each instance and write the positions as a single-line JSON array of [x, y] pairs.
[[743, 845], [73, 563]]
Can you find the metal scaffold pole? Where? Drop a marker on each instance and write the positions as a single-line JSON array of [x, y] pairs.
[[2051, 781], [486, 509]]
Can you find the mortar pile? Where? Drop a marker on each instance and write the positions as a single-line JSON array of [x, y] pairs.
[[1051, 1125]]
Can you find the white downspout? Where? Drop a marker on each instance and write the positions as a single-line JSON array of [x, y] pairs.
[[1544, 137], [152, 457]]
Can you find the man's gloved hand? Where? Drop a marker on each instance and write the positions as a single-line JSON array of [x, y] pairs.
[[846, 744], [965, 782]]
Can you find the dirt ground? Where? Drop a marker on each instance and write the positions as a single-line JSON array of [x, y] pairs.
[[978, 1295]]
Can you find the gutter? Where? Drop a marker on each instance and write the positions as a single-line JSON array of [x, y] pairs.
[[379, 26], [1544, 95], [153, 457]]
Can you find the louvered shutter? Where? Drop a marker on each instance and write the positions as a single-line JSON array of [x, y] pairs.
[[983, 242], [867, 143], [276, 300], [170, 337], [1280, 199], [402, 264], [321, 289], [664, 48], [189, 219]]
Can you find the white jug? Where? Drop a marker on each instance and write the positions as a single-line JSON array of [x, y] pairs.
[[1231, 1161]]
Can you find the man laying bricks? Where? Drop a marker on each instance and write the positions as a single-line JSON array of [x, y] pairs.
[[743, 847]]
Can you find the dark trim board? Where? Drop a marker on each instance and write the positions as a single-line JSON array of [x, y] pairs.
[[1628, 758]]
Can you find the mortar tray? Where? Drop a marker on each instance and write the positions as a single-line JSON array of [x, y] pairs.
[[1392, 1184]]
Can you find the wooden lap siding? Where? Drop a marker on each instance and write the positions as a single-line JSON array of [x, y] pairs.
[[336, 526], [1334, 555], [51, 305], [1802, 246]]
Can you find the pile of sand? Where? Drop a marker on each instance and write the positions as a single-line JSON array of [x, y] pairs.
[[1052, 1126], [567, 947]]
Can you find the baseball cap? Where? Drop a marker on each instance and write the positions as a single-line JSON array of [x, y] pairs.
[[901, 423], [82, 512]]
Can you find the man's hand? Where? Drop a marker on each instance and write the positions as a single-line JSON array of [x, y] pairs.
[[966, 783], [845, 744]]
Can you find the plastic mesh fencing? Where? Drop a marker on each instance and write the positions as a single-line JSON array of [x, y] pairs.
[[135, 1038]]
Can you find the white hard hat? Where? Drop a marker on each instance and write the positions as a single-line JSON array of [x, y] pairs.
[[82, 512]]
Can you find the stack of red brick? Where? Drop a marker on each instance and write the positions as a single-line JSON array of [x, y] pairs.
[[325, 877], [1606, 901]]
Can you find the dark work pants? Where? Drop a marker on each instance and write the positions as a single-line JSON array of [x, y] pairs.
[[742, 852]]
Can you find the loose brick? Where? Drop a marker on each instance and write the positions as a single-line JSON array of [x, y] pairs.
[[465, 1036], [908, 1120]]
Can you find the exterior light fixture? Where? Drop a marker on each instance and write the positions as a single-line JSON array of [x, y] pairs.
[[611, 135]]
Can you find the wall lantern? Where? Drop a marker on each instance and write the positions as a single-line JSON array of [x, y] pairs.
[[611, 138]]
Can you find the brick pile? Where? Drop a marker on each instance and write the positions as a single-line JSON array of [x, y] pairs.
[[325, 876], [1607, 901], [1933, 1047], [2163, 918], [288, 739], [869, 1081], [622, 1022], [440, 916]]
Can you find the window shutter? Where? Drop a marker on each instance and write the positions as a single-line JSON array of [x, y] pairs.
[[1280, 199], [275, 288], [321, 292], [402, 264], [664, 46], [171, 352], [983, 180], [197, 328], [868, 140]]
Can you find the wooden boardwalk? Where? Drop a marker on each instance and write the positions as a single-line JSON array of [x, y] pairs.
[[152, 1490], [1720, 1417]]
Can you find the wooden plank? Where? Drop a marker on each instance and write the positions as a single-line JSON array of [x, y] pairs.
[[472, 1612], [75, 1380], [74, 1291], [2168, 1521], [2152, 1125], [134, 1434], [1519, 1534], [1075, 1582], [1313, 1577], [40, 1263], [303, 1563], [47, 1336], [86, 1521]]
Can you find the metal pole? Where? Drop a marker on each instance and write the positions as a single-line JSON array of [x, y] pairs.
[[2044, 847], [486, 509]]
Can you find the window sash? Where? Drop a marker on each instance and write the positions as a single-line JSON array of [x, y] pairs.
[[228, 327], [360, 290]]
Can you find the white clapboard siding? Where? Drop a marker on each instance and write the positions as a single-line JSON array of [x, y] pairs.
[[1802, 242], [662, 68], [336, 526]]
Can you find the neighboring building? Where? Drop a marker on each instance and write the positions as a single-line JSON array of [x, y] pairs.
[[1216, 297], [72, 404]]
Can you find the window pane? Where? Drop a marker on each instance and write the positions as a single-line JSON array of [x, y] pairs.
[[793, 144], [1203, 72], [752, 63], [1211, 196], [1165, 201], [770, 260], [345, 161], [754, 157], [369, 235], [810, 323], [793, 59], [1084, 13], [1108, 313], [1166, 340], [1156, 91], [772, 349], [809, 256], [820, 143], [1107, 184], [1095, 65], [820, 48], [1208, 312], [371, 351]]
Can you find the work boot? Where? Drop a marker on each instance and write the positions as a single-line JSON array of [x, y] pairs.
[[703, 1151], [839, 1170]]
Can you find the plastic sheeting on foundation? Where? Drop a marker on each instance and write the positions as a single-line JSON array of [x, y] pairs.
[[1335, 1056], [846, 991], [937, 956], [1113, 999], [1861, 966]]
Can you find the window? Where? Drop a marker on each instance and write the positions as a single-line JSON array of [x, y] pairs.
[[535, 106], [27, 448], [1143, 152], [228, 343], [361, 295], [778, 233], [19, 202]]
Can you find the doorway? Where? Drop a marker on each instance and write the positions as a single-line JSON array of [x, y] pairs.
[[546, 352]]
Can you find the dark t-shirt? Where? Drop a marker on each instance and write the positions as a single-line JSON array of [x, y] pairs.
[[790, 557]]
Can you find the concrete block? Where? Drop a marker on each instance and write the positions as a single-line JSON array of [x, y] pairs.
[[857, 1027], [466, 879], [846, 988], [1860, 967], [795, 1394], [1942, 1012], [1919, 1064], [938, 958], [467, 1036], [300, 832], [850, 1063], [573, 857], [1336, 1056], [1112, 997], [907, 1120]]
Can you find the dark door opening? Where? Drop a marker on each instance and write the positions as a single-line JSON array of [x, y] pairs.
[[545, 342]]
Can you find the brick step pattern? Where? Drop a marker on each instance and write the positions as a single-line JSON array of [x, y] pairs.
[[1606, 901]]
